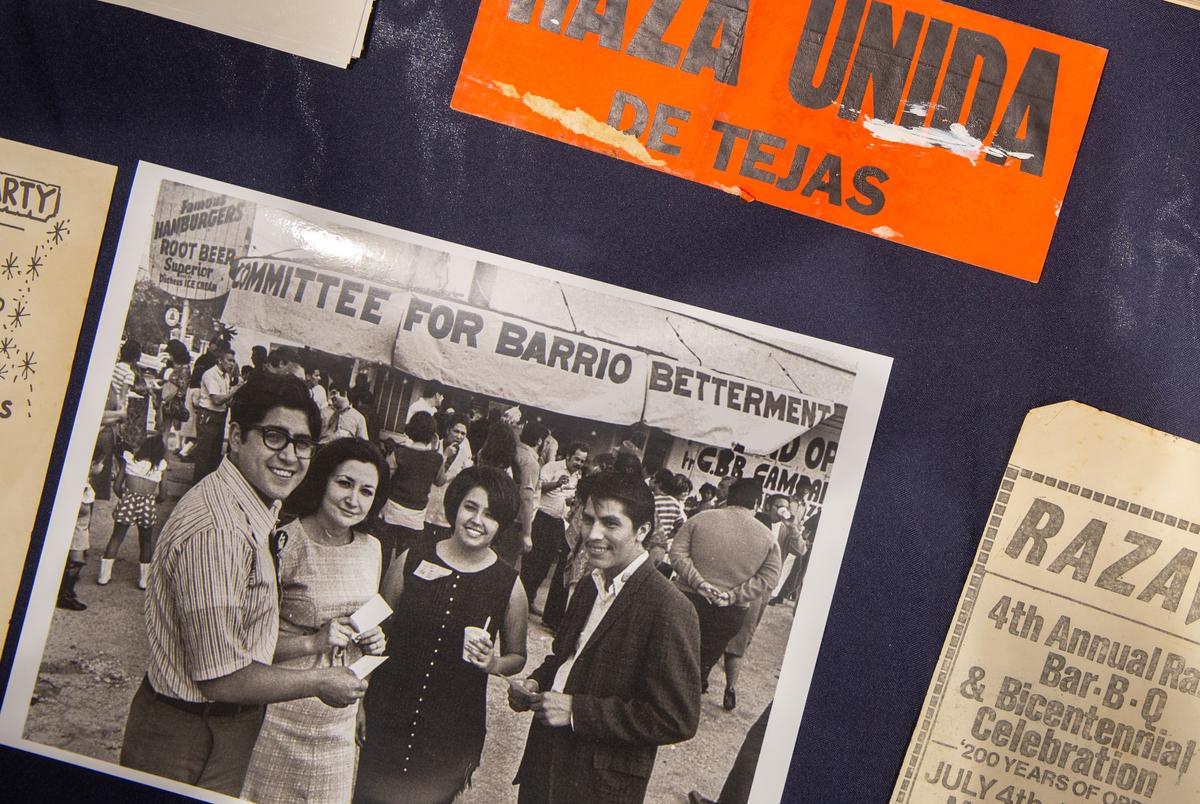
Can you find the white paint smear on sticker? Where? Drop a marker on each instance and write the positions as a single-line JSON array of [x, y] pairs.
[[580, 122], [886, 232], [956, 139]]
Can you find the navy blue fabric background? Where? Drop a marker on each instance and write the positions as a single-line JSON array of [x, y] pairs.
[[1115, 321]]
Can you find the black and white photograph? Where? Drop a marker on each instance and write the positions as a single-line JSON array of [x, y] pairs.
[[354, 514]]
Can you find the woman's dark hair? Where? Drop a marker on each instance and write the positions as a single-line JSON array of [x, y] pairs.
[[178, 352], [131, 351], [708, 491], [262, 393], [422, 427], [499, 448], [665, 479], [151, 449], [307, 497], [501, 491]]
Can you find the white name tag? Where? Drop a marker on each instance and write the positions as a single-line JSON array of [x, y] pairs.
[[430, 572]]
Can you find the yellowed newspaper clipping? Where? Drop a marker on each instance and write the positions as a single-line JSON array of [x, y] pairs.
[[1071, 672]]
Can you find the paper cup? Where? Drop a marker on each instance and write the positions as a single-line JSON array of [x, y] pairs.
[[469, 632]]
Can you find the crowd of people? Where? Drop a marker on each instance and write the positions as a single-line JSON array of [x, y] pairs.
[[301, 511]]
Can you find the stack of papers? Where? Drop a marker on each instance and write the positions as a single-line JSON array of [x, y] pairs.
[[330, 31]]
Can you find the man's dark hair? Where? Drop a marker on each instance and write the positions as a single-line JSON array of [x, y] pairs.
[[339, 386], [533, 433], [262, 393], [744, 492], [453, 419], [503, 501], [577, 446], [131, 352], [630, 464], [708, 491], [258, 354], [625, 488], [309, 495], [421, 427], [433, 388]]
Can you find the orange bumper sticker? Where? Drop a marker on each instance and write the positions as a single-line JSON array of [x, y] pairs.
[[917, 121]]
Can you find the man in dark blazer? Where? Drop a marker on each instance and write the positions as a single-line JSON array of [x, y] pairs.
[[624, 674]]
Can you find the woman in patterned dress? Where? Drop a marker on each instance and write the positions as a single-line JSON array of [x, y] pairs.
[[327, 570], [426, 709]]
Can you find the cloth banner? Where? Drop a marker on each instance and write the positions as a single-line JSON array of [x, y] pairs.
[[516, 359], [324, 309], [723, 410]]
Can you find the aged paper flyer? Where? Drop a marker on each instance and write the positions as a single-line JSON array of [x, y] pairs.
[[52, 211], [1072, 668]]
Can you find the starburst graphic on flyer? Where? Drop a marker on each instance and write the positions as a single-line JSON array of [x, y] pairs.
[[58, 232], [6, 346], [35, 265], [18, 315], [27, 366], [10, 266]]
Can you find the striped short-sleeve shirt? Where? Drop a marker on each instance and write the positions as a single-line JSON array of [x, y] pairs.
[[123, 378], [212, 604]]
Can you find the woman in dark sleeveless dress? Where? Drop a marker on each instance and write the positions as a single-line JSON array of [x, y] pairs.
[[426, 709]]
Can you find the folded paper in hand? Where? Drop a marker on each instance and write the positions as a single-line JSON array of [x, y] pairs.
[[370, 614], [366, 664]]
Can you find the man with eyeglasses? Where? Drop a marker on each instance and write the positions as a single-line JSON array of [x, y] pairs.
[[212, 606]]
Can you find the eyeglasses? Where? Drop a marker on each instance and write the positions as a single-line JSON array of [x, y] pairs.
[[277, 440]]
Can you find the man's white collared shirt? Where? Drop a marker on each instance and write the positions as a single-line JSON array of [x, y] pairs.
[[600, 606]]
